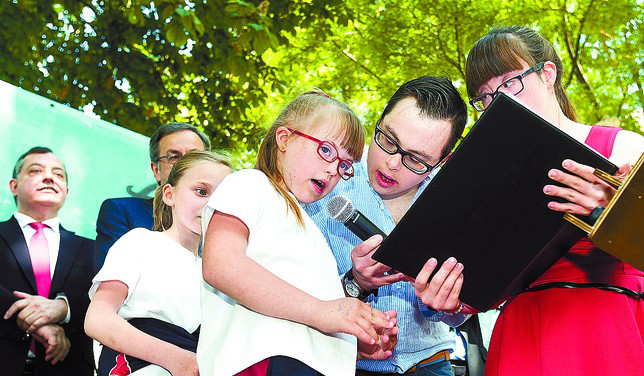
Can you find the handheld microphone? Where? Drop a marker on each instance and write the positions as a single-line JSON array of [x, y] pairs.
[[341, 209]]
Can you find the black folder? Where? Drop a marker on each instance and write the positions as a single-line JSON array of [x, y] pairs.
[[486, 206]]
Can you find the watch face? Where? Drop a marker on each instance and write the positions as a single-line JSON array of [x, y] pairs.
[[351, 289]]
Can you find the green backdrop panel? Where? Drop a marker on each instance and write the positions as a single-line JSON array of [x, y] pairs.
[[103, 160]]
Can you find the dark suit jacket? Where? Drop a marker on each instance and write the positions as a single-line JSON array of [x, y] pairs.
[[72, 276], [118, 216]]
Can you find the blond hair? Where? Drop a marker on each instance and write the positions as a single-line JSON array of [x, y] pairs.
[[162, 213], [306, 113], [500, 51]]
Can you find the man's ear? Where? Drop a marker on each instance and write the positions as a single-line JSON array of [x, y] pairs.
[[155, 170], [13, 186], [281, 137]]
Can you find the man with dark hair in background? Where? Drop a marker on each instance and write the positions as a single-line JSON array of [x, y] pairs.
[[45, 273], [119, 215]]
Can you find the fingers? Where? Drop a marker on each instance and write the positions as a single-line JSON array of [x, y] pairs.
[[584, 171], [53, 346], [15, 307], [573, 181], [623, 171], [582, 190], [391, 314], [442, 291], [447, 287], [371, 320], [379, 319], [367, 247], [64, 350], [425, 272], [453, 298], [442, 275], [578, 199], [567, 207], [365, 332], [26, 317], [22, 295], [40, 321]]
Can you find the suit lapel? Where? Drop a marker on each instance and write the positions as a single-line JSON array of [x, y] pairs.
[[12, 233], [69, 246]]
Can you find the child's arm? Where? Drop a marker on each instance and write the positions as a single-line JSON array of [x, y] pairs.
[[227, 268], [105, 325]]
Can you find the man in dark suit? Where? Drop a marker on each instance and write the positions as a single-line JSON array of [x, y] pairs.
[[45, 273], [119, 215]]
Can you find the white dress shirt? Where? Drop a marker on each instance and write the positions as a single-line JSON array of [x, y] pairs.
[[52, 234]]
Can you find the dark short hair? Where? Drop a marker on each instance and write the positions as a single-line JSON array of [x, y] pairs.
[[35, 150], [437, 98], [171, 128]]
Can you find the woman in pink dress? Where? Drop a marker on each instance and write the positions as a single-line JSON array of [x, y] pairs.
[[584, 315]]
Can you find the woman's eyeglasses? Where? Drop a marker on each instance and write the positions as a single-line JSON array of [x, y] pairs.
[[512, 86]]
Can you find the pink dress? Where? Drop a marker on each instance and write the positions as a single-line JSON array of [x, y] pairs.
[[574, 331]]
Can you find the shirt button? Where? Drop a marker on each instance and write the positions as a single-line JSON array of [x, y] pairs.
[[382, 207]]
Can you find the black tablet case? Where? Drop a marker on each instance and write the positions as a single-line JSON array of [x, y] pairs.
[[486, 206]]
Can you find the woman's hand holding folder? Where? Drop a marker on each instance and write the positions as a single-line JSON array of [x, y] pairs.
[[583, 190]]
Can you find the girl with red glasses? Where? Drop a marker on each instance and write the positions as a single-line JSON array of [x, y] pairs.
[[272, 302]]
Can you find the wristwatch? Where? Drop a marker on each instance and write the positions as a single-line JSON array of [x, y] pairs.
[[353, 289]]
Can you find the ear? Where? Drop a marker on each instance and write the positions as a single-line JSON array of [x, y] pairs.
[[281, 137], [155, 170], [168, 195], [549, 73], [13, 186]]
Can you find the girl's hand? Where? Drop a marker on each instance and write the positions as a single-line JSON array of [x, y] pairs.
[[442, 292], [351, 316], [583, 190], [184, 363], [388, 340]]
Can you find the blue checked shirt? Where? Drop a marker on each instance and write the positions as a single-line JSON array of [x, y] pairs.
[[419, 336]]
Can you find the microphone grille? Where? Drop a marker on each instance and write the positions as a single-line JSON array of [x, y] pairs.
[[340, 208]]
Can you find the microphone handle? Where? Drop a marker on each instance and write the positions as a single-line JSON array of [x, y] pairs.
[[362, 226]]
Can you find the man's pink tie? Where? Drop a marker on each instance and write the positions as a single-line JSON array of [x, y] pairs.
[[39, 252]]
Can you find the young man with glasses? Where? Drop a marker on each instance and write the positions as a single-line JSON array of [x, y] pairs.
[[119, 215], [416, 132]]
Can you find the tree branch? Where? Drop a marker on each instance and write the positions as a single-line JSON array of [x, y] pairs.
[[361, 65], [574, 57]]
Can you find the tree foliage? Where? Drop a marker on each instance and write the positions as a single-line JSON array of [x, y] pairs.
[[390, 42], [228, 66], [141, 64]]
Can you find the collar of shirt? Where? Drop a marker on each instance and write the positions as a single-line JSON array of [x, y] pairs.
[[24, 220], [52, 234]]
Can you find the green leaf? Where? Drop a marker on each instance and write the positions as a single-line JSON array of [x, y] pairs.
[[182, 12], [198, 24], [171, 33], [181, 38], [168, 10]]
